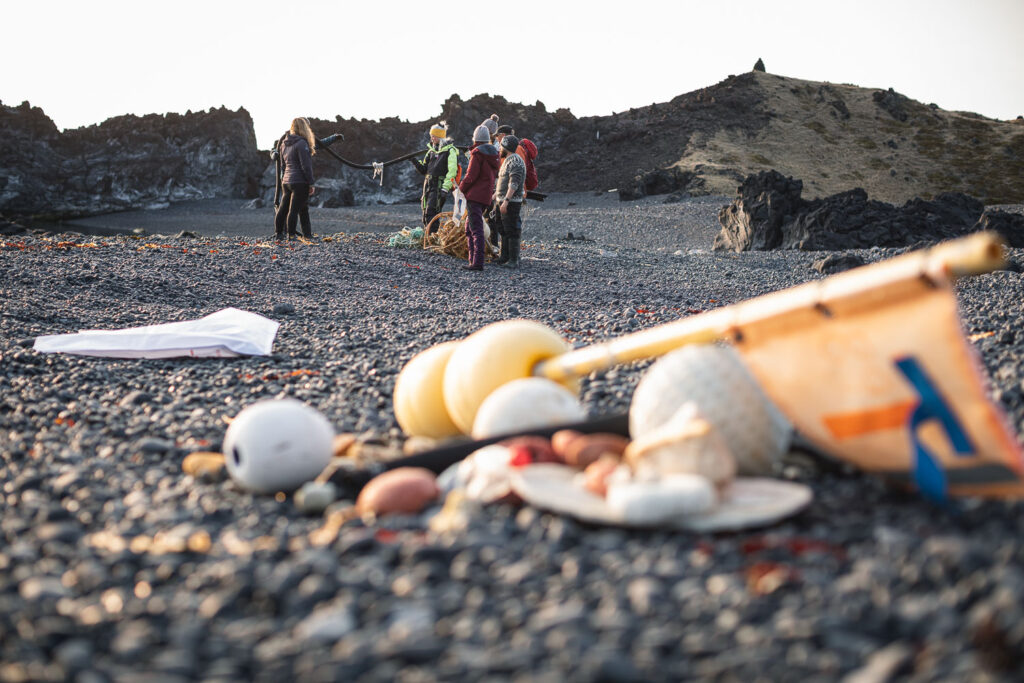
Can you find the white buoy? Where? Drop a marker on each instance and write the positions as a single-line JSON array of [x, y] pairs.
[[726, 395], [277, 445], [523, 404]]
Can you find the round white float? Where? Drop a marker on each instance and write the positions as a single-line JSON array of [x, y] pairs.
[[491, 357], [524, 404], [277, 445]]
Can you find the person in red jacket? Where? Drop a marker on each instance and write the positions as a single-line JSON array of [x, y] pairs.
[[478, 187]]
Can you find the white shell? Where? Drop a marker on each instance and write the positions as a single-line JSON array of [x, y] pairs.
[[647, 503], [277, 445], [524, 404], [686, 444], [484, 475], [726, 394], [743, 504]]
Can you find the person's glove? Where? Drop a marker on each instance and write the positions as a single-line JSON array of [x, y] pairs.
[[274, 155]]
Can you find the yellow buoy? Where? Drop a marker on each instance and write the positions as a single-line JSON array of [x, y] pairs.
[[492, 356], [419, 397]]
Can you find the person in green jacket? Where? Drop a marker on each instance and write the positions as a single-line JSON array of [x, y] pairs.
[[439, 166]]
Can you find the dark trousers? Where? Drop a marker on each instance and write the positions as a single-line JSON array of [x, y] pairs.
[[294, 207], [510, 223], [433, 201], [475, 232]]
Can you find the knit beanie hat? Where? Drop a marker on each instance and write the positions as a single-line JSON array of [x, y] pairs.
[[491, 124], [510, 142], [507, 130], [439, 130], [481, 134]]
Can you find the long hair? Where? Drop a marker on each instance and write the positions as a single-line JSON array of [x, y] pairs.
[[300, 127]]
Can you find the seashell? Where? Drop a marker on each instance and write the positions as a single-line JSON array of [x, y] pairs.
[[685, 444], [742, 504], [525, 404], [277, 445], [586, 449], [646, 503], [727, 396], [404, 490]]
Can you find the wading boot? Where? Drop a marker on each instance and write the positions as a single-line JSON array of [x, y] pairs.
[[513, 253], [504, 255]]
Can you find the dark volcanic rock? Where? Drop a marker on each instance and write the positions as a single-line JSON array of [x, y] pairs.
[[837, 263], [659, 181], [127, 162], [754, 221], [893, 103], [759, 65], [771, 214], [574, 152]]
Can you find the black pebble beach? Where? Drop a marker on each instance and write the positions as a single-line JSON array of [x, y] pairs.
[[116, 566]]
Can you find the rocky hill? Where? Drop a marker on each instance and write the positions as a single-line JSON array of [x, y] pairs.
[[125, 162], [835, 137]]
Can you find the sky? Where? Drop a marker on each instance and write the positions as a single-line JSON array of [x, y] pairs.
[[84, 61]]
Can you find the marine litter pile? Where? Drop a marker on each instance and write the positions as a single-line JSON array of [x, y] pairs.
[[116, 563]]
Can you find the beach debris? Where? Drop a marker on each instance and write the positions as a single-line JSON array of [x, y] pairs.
[[419, 394], [456, 514], [228, 333], [342, 443], [314, 497], [483, 476], [713, 378], [597, 473], [581, 450], [406, 238], [657, 502], [491, 357], [204, 465], [743, 503], [524, 404], [405, 490], [277, 445], [685, 444]]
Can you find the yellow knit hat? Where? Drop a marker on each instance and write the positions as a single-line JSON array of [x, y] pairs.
[[440, 130]]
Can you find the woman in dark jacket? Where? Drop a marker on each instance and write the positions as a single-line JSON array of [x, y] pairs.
[[296, 151], [478, 188]]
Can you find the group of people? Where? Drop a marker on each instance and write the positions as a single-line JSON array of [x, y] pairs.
[[500, 173]]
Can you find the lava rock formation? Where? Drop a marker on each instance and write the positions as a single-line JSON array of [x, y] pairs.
[[770, 214]]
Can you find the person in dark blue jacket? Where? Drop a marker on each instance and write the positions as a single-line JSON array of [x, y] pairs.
[[295, 151]]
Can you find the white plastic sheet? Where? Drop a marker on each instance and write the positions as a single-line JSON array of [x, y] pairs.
[[228, 333]]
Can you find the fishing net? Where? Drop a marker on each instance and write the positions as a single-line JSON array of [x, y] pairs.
[[406, 238]]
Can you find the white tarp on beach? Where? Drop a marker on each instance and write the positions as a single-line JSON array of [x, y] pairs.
[[228, 333]]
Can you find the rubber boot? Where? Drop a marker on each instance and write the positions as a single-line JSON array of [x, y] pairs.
[[503, 257], [513, 252]]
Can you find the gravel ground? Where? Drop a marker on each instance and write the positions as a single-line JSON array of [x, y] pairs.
[[114, 565], [647, 223]]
